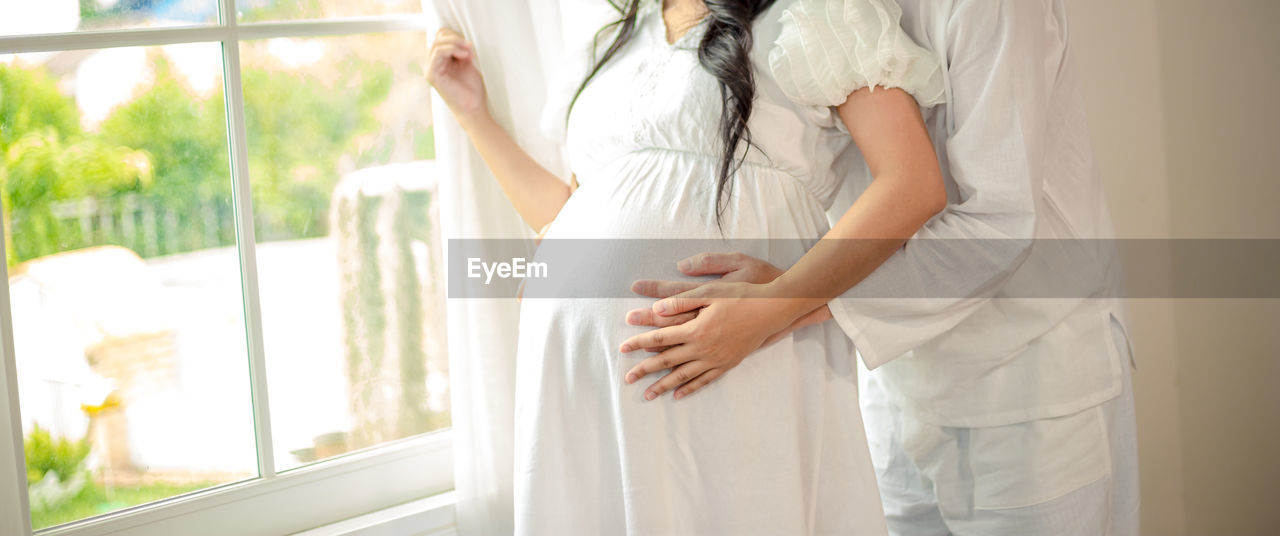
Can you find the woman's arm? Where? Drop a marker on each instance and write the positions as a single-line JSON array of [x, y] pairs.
[[734, 319], [906, 192], [536, 193]]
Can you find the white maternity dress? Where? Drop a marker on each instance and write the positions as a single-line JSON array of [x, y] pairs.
[[777, 445]]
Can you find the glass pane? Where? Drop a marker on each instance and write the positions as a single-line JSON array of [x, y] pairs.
[[128, 324], [348, 256], [22, 17], [276, 10]]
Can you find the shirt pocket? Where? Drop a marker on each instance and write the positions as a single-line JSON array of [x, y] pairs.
[[1037, 461]]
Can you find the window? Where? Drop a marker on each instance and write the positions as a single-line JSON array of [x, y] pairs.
[[224, 290]]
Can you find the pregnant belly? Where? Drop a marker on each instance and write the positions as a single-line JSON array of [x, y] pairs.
[[637, 218]]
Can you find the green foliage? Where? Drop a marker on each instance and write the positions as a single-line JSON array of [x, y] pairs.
[[29, 101], [47, 454], [185, 137], [96, 500], [42, 167], [294, 152], [46, 157], [168, 147]]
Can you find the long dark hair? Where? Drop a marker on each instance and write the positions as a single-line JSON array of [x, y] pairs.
[[724, 52]]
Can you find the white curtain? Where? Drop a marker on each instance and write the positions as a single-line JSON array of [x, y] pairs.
[[520, 47]]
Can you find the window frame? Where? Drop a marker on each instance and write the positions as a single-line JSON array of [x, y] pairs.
[[356, 483]]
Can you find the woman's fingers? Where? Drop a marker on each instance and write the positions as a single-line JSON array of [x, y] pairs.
[[440, 61], [447, 46], [450, 40], [646, 317], [455, 42], [668, 336], [697, 383], [672, 358], [448, 36], [449, 52], [678, 376]]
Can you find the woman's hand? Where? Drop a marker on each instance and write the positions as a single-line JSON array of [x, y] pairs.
[[728, 322], [452, 71], [732, 267]]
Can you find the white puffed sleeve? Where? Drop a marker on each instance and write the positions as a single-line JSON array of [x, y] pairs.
[[828, 49]]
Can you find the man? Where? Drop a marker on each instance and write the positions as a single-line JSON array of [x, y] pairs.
[[996, 411]]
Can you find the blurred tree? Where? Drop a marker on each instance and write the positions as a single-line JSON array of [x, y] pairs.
[[170, 148], [42, 168], [187, 140], [45, 157], [30, 101], [303, 135]]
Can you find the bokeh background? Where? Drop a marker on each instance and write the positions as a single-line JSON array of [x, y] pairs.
[[1180, 96]]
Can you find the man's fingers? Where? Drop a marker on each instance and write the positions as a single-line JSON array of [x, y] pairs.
[[668, 336], [662, 289], [678, 376], [698, 383], [671, 358], [646, 317], [712, 263], [681, 303]]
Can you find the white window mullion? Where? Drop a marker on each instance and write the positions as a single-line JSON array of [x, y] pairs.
[[242, 200], [15, 517], [82, 40], [345, 26], [137, 37]]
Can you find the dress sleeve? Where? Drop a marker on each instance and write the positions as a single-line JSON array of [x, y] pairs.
[[828, 49]]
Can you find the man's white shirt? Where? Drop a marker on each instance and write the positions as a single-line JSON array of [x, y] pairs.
[[1023, 185]]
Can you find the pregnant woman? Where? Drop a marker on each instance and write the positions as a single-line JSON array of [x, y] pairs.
[[710, 120]]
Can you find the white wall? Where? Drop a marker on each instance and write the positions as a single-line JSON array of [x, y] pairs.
[[1220, 67], [1180, 95]]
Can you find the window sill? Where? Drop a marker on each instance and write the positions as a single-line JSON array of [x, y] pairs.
[[433, 516], [313, 496]]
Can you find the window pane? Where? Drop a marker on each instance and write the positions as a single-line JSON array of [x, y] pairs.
[[22, 17], [125, 282], [276, 10], [348, 256]]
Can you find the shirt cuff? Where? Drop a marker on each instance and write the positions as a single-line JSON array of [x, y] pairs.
[[852, 325]]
